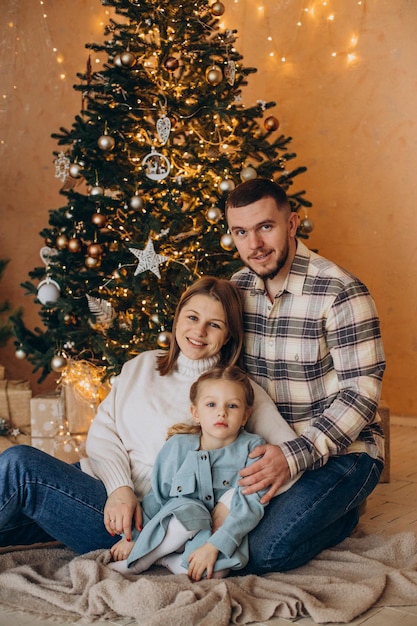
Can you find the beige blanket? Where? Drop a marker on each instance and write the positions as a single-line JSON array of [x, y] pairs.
[[340, 584]]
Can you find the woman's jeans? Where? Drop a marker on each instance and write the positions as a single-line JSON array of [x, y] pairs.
[[43, 498], [320, 510]]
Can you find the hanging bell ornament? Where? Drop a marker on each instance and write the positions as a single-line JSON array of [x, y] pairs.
[[136, 202], [307, 225], [217, 9], [95, 250], [20, 354], [48, 291], [99, 220], [227, 185], [74, 245], [214, 75], [271, 123], [171, 64], [106, 142], [213, 215], [248, 173], [127, 59], [164, 339], [75, 170], [226, 242], [58, 362]]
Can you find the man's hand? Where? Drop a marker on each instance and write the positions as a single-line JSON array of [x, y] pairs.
[[121, 508], [201, 560], [271, 470]]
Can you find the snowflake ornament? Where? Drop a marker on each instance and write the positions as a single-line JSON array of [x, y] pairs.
[[62, 164], [148, 259]]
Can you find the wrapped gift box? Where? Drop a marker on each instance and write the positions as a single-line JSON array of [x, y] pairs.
[[67, 447], [47, 414], [79, 412], [15, 398]]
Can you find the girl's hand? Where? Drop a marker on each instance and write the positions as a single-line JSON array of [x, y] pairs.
[[121, 550], [121, 509], [201, 560]]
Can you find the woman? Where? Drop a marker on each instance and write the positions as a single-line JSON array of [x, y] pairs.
[[87, 505]]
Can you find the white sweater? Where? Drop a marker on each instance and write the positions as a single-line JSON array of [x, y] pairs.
[[132, 421]]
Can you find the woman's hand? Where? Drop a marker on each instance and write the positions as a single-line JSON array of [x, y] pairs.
[[201, 560], [271, 470], [121, 509]]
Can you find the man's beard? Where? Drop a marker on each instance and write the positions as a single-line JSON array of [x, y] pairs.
[[278, 267]]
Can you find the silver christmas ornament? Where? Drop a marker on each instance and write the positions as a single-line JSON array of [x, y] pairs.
[[136, 202], [58, 362], [20, 354], [227, 185], [248, 173], [106, 143], [48, 291], [75, 170], [307, 225], [213, 215], [226, 242], [164, 339]]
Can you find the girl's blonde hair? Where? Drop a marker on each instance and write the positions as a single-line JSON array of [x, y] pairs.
[[230, 298], [231, 373]]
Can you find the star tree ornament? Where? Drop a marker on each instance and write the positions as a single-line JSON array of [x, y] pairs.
[[148, 259]]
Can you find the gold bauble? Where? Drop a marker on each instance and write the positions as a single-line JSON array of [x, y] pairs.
[[74, 245], [99, 220], [307, 225], [214, 75], [58, 362], [75, 170], [106, 143], [127, 59], [61, 242], [226, 242], [248, 173], [96, 191], [271, 123], [217, 9], [136, 202], [227, 185], [213, 215], [92, 262], [95, 250], [164, 339]]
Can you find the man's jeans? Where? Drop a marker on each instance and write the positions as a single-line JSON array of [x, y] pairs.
[[320, 510], [43, 498]]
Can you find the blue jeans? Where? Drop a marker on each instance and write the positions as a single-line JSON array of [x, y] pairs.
[[318, 512], [43, 498]]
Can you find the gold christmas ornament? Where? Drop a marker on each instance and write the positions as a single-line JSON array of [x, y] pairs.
[[214, 75], [127, 59], [95, 250], [171, 64], [271, 123], [213, 215], [75, 170], [248, 173], [99, 220], [96, 191], [226, 242], [307, 225], [92, 262], [61, 242], [58, 362], [217, 9], [227, 185], [74, 245], [136, 202], [106, 143], [164, 339], [20, 354]]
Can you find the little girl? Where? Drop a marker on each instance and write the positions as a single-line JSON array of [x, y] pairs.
[[198, 466]]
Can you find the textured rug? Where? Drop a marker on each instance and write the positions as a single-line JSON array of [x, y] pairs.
[[337, 586]]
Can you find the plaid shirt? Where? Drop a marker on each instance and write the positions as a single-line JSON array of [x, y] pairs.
[[317, 351]]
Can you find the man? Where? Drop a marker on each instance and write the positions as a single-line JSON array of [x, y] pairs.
[[312, 340]]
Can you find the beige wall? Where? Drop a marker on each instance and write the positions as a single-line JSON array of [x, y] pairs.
[[352, 122]]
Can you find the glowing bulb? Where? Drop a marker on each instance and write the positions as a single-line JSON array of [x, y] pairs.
[[283, 59], [331, 17], [334, 54], [351, 57]]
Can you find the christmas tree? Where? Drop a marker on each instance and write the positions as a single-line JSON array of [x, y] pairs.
[[161, 139]]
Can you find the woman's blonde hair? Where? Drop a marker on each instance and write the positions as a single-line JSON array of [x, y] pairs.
[[231, 300], [231, 373]]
